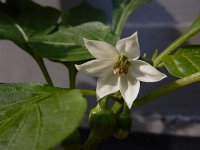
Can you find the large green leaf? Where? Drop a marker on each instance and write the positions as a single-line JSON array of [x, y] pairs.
[[21, 19], [122, 9], [31, 17], [10, 30], [83, 13], [67, 44], [184, 62], [37, 117]]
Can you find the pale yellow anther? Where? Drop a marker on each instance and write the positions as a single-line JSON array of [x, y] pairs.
[[121, 65]]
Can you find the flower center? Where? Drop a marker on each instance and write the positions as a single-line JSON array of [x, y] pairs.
[[121, 65]]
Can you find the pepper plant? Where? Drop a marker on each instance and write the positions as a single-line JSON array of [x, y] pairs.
[[41, 116]]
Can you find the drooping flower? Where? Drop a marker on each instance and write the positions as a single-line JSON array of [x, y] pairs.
[[118, 68]]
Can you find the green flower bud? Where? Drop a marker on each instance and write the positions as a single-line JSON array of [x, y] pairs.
[[102, 122], [123, 125]]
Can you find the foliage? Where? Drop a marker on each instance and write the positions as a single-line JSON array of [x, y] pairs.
[[184, 62], [36, 116], [39, 116]]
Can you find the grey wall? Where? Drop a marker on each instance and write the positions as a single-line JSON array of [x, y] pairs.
[[157, 23]]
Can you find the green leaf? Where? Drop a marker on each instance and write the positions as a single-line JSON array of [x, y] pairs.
[[121, 11], [31, 17], [83, 13], [37, 117], [67, 44], [10, 30], [21, 19], [184, 62]]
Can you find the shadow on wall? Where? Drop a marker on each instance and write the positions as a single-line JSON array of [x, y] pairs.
[[156, 28]]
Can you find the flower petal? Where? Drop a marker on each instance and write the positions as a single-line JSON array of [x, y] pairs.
[[145, 72], [95, 67], [129, 46], [101, 50], [107, 84], [129, 88]]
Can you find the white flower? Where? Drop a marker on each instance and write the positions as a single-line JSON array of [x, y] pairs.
[[118, 68]]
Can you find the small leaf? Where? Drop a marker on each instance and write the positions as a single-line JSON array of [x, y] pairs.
[[83, 13], [67, 44], [155, 54], [184, 62], [37, 117], [123, 8]]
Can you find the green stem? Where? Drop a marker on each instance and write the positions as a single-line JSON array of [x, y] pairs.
[[43, 68], [117, 107], [174, 45], [115, 99], [194, 29], [121, 22], [126, 8], [167, 88], [72, 74], [91, 143], [88, 92]]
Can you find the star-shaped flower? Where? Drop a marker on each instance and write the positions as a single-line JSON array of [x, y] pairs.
[[118, 68]]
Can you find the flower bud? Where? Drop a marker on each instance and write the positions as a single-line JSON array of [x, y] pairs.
[[123, 125], [102, 122]]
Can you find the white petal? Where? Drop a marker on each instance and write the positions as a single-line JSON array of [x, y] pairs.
[[107, 84], [129, 46], [129, 88], [95, 67], [145, 72], [101, 50]]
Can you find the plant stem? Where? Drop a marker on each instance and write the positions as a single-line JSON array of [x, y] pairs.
[[167, 88], [127, 7], [88, 92], [174, 45], [43, 68], [72, 74], [121, 22], [194, 29], [91, 143], [117, 107]]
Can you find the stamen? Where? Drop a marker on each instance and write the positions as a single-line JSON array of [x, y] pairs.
[[121, 65]]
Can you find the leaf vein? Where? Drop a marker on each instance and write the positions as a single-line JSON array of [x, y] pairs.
[[14, 137], [176, 65], [191, 62], [40, 125]]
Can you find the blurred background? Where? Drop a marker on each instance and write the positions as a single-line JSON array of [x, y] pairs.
[[158, 24]]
